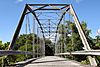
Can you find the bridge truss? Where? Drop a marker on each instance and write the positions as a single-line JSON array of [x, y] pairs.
[[46, 21]]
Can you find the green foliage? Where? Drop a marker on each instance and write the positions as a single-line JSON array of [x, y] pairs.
[[97, 45], [71, 43], [1, 46], [84, 62], [69, 47], [74, 39], [61, 29], [24, 43]]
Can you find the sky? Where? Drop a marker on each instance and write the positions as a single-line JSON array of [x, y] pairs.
[[10, 12]]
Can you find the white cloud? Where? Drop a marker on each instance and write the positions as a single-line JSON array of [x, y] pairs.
[[98, 32], [77, 1], [20, 0]]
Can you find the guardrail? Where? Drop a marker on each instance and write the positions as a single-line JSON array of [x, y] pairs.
[[88, 53], [11, 52]]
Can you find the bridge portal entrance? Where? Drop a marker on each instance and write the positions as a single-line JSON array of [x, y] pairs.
[[48, 22]]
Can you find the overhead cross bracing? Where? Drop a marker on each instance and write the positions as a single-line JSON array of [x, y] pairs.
[[50, 16]]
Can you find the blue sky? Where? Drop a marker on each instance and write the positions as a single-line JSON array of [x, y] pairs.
[[10, 11]]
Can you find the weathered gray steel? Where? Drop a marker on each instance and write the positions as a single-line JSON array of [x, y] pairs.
[[88, 53], [67, 8], [82, 35], [17, 29], [35, 18], [48, 4], [62, 17], [12, 52], [37, 9]]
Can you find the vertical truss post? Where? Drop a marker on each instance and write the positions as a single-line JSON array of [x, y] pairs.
[[64, 34], [55, 48], [49, 27], [29, 8], [33, 37], [40, 27], [82, 36], [62, 17], [43, 48]]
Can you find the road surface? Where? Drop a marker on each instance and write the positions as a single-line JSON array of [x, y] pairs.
[[54, 61]]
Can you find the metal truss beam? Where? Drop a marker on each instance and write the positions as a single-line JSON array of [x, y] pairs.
[[49, 31], [40, 8], [88, 53], [82, 35], [49, 9], [12, 52], [64, 7], [61, 20], [44, 5], [37, 9], [62, 17], [48, 4], [35, 18], [48, 27], [17, 29]]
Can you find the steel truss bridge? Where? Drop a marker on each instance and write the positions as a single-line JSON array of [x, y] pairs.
[[44, 21]]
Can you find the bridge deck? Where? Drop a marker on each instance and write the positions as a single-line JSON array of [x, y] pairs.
[[54, 61]]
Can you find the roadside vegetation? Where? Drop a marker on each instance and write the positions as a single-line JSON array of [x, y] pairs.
[[72, 43]]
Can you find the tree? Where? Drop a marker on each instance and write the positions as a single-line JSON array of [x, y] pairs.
[[97, 46], [25, 43], [1, 46], [73, 42]]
